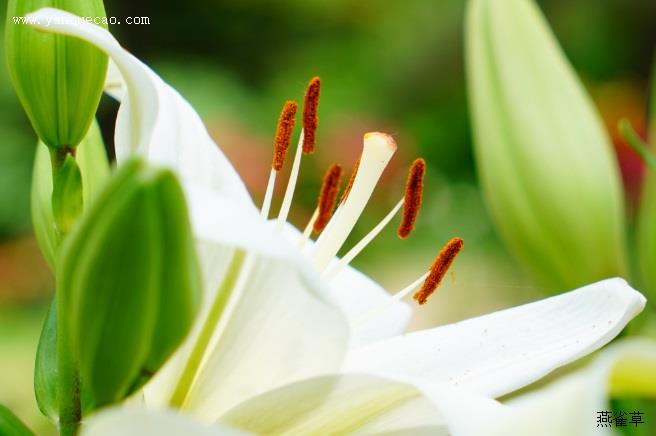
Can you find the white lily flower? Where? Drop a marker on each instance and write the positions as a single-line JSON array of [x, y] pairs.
[[567, 406], [271, 351]]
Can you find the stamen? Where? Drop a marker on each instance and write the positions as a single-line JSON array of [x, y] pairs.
[[310, 114], [328, 196], [351, 180], [376, 154], [439, 269], [414, 189], [282, 140], [284, 132]]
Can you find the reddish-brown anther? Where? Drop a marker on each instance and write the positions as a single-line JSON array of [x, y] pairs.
[[350, 182], [284, 132], [327, 197], [414, 190], [311, 115], [439, 269]]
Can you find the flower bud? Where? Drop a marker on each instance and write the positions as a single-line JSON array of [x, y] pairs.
[[67, 195], [58, 79], [91, 159], [646, 219], [545, 162], [128, 281]]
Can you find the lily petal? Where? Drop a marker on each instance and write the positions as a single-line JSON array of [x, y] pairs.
[[358, 404], [139, 422], [503, 351], [572, 401], [372, 312], [114, 83], [153, 118]]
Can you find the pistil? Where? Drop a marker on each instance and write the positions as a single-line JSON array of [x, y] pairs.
[[377, 152]]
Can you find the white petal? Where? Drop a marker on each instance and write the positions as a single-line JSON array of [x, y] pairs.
[[372, 313], [279, 333], [140, 422], [358, 404], [285, 326], [153, 118], [503, 351], [572, 402], [114, 83]]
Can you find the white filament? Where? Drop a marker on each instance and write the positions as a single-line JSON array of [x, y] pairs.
[[291, 184], [268, 196], [387, 305]]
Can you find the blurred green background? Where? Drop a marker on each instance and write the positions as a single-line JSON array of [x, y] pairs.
[[394, 65]]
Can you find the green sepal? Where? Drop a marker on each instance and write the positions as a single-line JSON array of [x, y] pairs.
[[10, 425], [58, 79], [129, 281], [91, 159]]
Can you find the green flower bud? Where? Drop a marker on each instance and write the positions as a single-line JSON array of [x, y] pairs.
[[67, 195], [128, 281], [545, 162], [646, 219], [91, 159], [10, 425], [58, 79]]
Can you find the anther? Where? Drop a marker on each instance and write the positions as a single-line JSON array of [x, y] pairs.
[[439, 269], [310, 115], [327, 196], [347, 190], [414, 189], [284, 132]]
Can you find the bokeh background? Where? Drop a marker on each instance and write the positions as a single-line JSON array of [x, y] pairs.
[[393, 65]]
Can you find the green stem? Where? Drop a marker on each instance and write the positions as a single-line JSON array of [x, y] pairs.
[[207, 331], [68, 377]]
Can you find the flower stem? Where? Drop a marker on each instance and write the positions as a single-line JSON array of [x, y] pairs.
[[68, 377], [205, 336]]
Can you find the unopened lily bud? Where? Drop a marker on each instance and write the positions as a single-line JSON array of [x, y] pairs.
[[128, 281], [93, 165], [67, 195], [58, 79], [545, 162], [646, 220]]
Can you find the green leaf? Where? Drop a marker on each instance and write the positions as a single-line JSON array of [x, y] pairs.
[[546, 164], [10, 425], [58, 79], [94, 167], [129, 281]]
